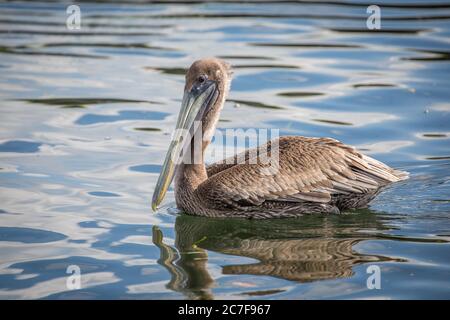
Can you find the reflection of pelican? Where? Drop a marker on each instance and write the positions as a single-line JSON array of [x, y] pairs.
[[311, 175], [189, 274], [299, 250]]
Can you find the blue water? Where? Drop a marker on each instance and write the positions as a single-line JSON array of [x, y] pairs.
[[86, 117]]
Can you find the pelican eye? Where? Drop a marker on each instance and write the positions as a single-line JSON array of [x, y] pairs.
[[202, 78]]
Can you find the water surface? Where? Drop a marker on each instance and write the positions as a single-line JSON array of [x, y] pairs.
[[86, 117]]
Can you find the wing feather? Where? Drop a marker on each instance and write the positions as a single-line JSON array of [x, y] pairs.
[[310, 169]]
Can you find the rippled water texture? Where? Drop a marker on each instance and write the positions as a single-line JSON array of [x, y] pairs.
[[86, 116]]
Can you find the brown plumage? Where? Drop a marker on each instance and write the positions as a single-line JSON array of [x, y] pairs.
[[314, 175]]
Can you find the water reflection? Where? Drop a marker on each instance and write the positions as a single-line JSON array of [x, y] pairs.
[[88, 119], [301, 250], [19, 146], [81, 101], [29, 235]]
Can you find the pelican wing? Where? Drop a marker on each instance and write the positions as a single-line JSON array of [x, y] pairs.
[[309, 169], [229, 162]]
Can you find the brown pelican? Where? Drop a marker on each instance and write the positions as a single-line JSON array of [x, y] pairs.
[[313, 175]]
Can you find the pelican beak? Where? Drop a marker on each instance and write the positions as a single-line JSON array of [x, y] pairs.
[[195, 103]]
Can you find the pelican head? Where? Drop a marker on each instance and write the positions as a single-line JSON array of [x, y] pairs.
[[207, 83]]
